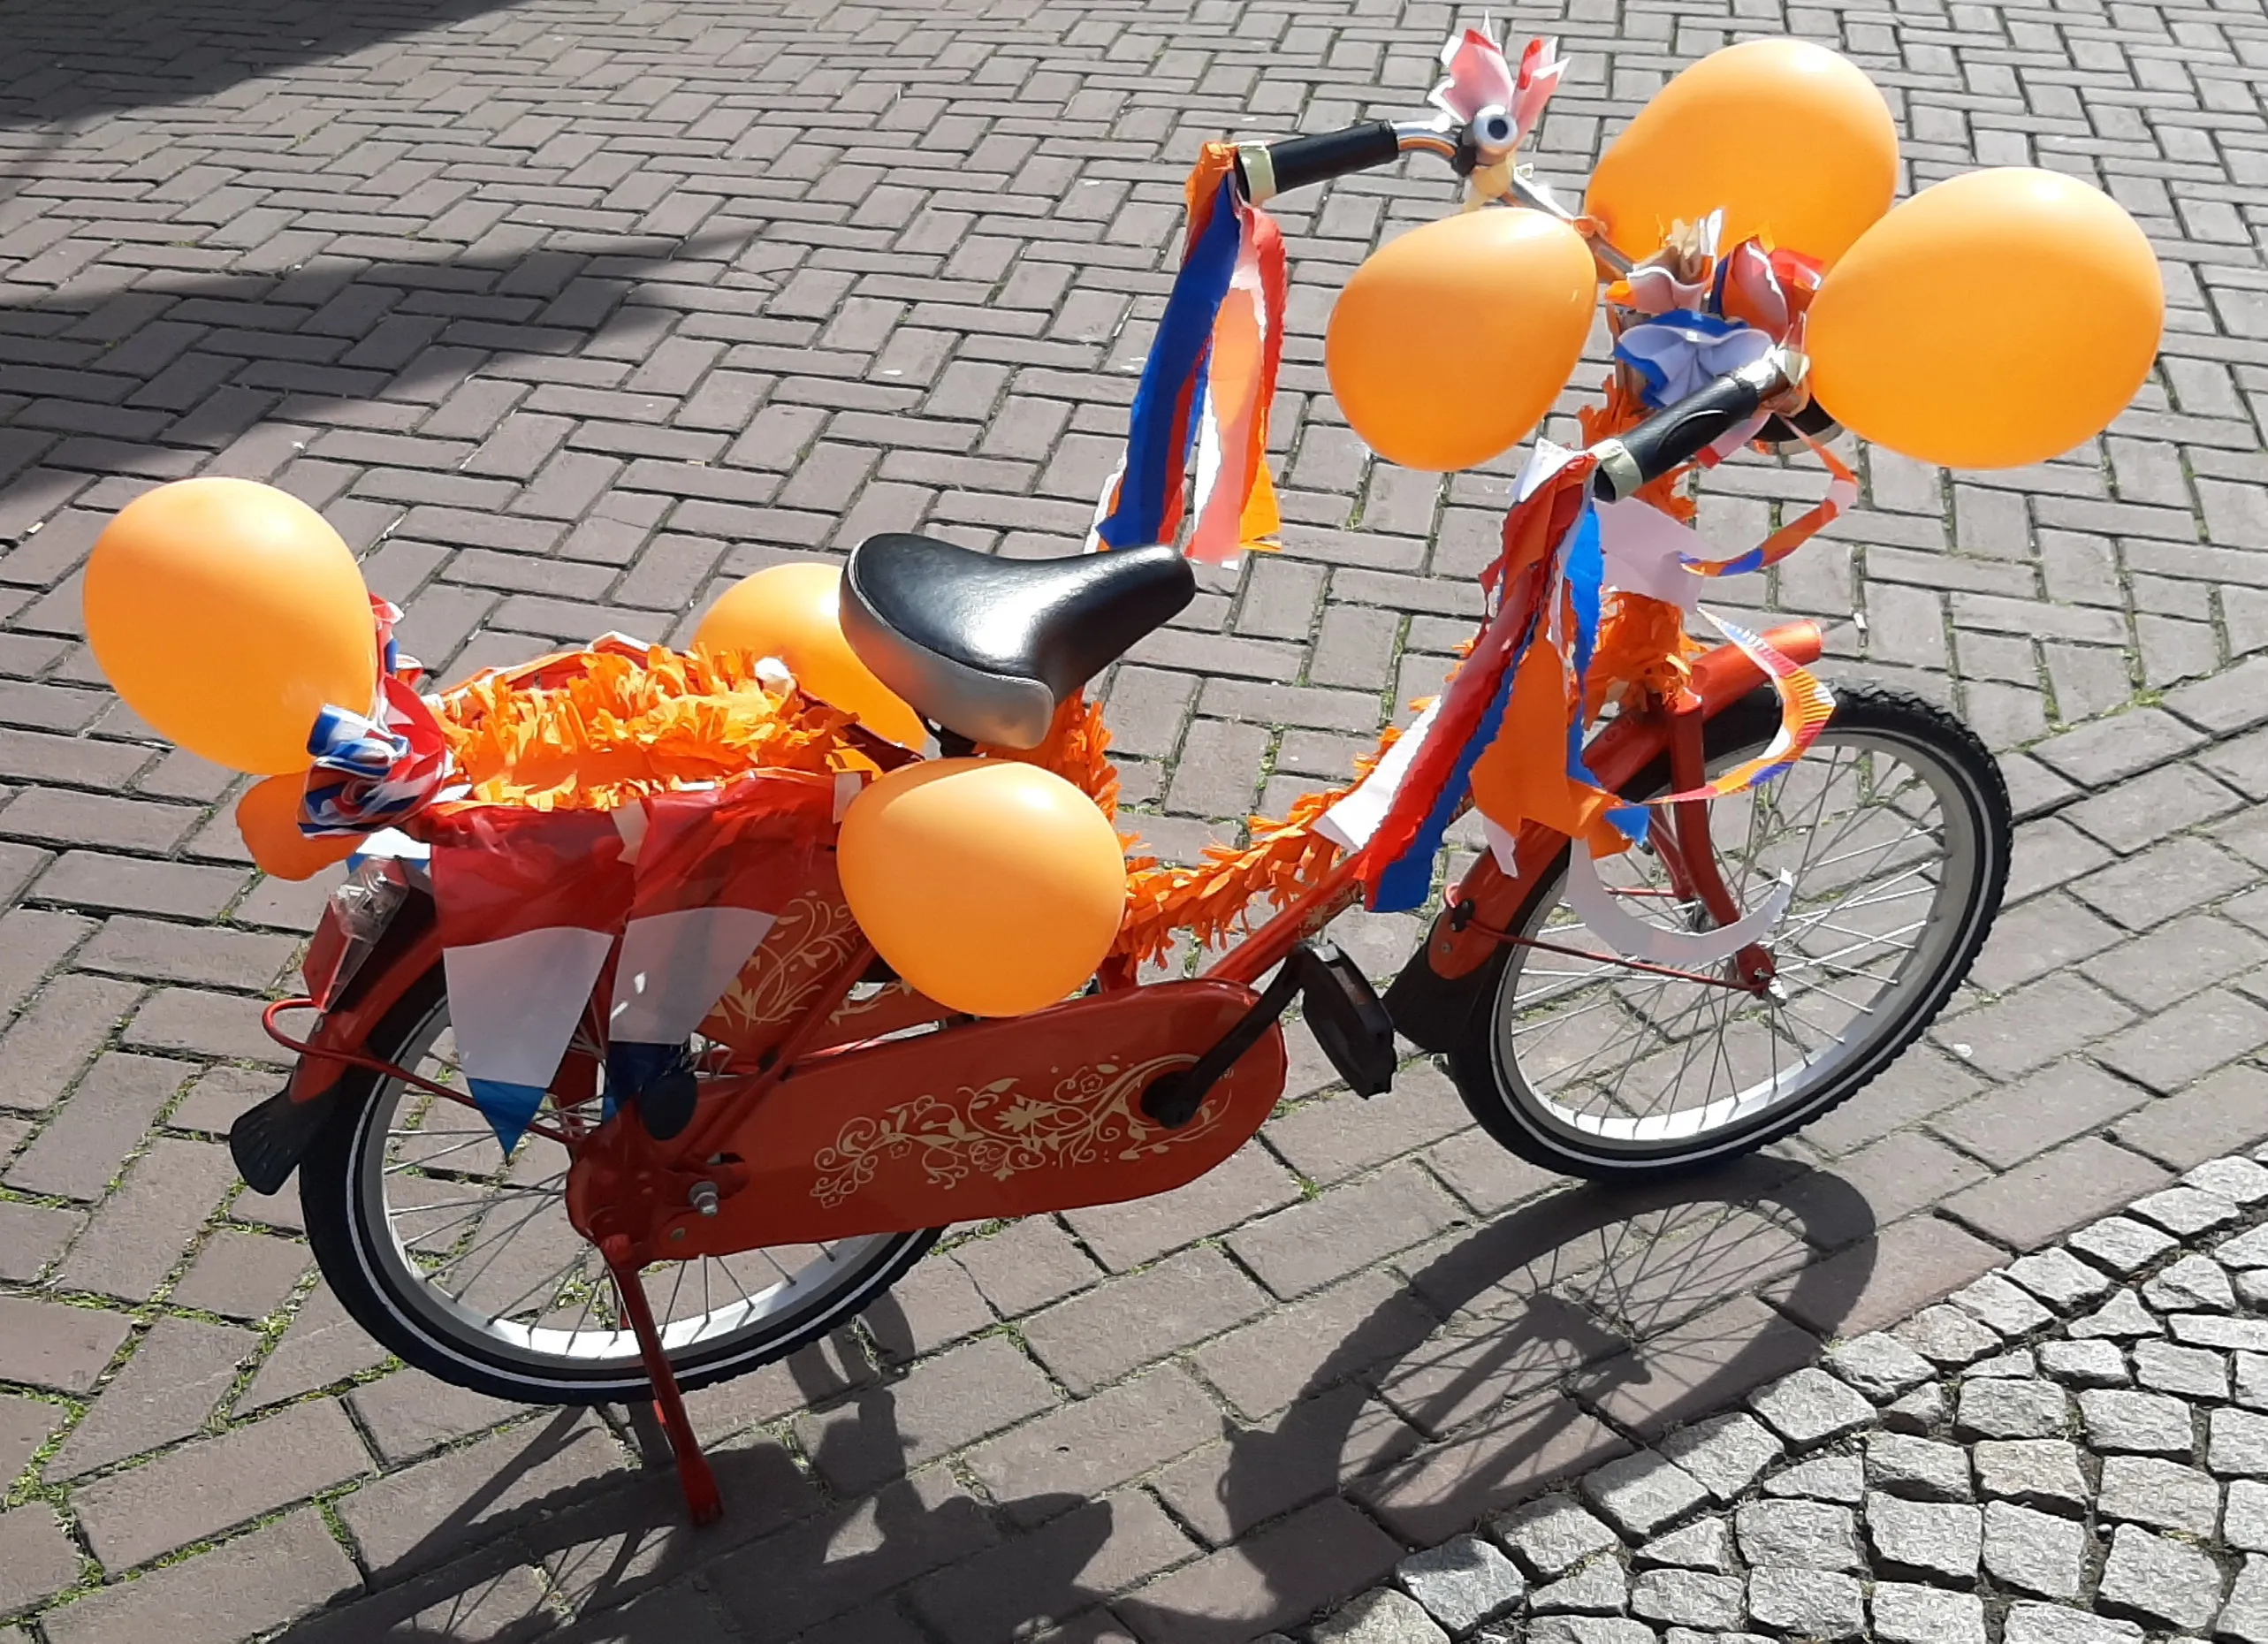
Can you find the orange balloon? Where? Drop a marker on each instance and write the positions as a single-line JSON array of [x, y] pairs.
[[1451, 343], [789, 612], [268, 816], [1996, 319], [228, 613], [994, 888], [1788, 138]]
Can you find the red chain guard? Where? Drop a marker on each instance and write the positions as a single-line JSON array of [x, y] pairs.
[[989, 1119]]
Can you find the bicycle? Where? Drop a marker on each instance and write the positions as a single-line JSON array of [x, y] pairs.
[[803, 1154]]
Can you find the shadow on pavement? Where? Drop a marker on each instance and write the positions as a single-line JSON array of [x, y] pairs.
[[71, 60], [1479, 1383], [184, 366], [362, 332]]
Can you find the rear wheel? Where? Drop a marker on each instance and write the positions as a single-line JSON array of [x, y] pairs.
[[1895, 829], [463, 1263]]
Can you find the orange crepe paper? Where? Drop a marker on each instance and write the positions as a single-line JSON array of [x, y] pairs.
[[604, 726], [1642, 643]]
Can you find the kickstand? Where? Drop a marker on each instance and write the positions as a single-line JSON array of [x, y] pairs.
[[702, 1499]]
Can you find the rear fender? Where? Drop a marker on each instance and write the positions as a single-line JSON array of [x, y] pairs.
[[268, 1141], [409, 947]]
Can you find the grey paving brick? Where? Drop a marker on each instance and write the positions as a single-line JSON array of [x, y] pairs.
[[1811, 1406], [2034, 1472], [2033, 1551], [1922, 1469], [1639, 1494], [2161, 1579], [1551, 1536], [1810, 1535], [1725, 1455], [1829, 1477], [1908, 1614], [1811, 1603], [1462, 1583]]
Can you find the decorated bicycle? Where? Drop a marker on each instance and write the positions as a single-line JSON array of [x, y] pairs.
[[674, 1003]]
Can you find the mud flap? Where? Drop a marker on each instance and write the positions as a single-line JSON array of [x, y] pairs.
[[268, 1141], [1431, 1011]]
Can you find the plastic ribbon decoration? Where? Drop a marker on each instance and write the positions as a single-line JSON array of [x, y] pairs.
[[1676, 278], [528, 905], [1589, 899], [712, 870], [1481, 81], [374, 769], [1470, 715], [1583, 575], [1805, 704], [1842, 492], [674, 893], [1682, 352], [1768, 287], [1207, 385]]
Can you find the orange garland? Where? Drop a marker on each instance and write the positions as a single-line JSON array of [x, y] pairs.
[[1284, 859], [603, 728]]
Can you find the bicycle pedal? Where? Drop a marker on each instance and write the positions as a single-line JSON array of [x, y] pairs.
[[1342, 1011], [666, 1105], [657, 1080]]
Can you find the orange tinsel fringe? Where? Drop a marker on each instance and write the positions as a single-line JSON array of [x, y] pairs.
[[1285, 859], [1077, 750], [603, 728]]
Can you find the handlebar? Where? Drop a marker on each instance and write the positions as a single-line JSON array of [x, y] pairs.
[[1269, 169], [1680, 432]]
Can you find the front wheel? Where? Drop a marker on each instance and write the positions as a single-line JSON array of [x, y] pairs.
[[462, 1262], [1896, 828]]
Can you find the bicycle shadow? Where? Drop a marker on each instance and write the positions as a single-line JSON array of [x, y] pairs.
[[1480, 1380]]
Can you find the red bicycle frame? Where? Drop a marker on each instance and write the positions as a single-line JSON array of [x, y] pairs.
[[840, 1125]]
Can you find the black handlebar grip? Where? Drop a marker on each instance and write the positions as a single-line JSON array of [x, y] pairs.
[[1297, 162], [1678, 433]]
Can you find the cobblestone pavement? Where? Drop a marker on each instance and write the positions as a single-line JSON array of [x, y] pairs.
[[567, 314], [2070, 1451]]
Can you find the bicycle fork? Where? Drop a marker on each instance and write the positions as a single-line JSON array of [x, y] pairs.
[[1689, 854]]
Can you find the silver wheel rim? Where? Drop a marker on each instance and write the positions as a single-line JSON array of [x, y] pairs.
[[1884, 838], [480, 1251]]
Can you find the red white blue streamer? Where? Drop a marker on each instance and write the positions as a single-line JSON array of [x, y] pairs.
[[1207, 384], [376, 768]]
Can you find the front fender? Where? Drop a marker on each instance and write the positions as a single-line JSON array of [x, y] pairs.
[[1435, 995]]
